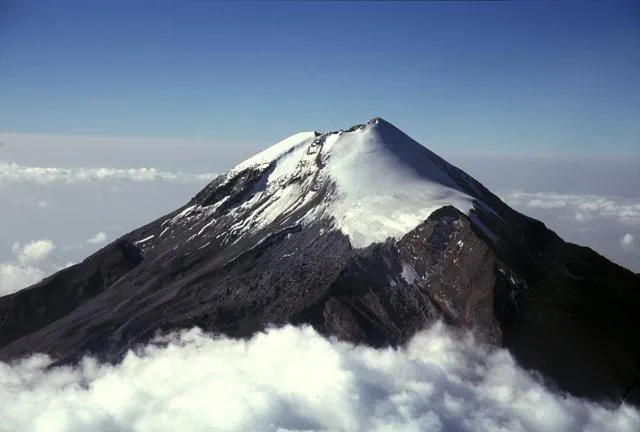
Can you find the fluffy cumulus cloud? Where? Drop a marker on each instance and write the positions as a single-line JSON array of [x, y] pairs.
[[292, 379], [581, 207], [13, 172], [34, 251], [15, 276], [99, 238], [28, 266]]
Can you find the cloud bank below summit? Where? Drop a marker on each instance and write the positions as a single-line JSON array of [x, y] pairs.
[[583, 207], [74, 207], [293, 379], [42, 175], [607, 224]]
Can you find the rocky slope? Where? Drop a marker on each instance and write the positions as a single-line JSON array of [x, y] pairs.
[[362, 233]]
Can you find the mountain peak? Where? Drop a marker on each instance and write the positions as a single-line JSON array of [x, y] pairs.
[[373, 122], [380, 122], [371, 180], [299, 234]]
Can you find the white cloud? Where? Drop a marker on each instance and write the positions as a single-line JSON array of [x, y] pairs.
[[294, 379], [599, 222], [548, 203], [98, 238], [27, 267], [13, 172], [583, 207], [627, 242], [14, 277], [34, 251], [581, 217]]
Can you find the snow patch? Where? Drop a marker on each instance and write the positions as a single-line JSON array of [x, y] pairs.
[[183, 213], [276, 151], [211, 222], [146, 239], [384, 183], [386, 186], [409, 274]]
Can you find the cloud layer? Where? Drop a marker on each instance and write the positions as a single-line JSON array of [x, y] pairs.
[[292, 379], [14, 172], [583, 207], [78, 210], [608, 224]]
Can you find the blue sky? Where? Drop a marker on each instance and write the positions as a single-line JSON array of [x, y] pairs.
[[558, 78]]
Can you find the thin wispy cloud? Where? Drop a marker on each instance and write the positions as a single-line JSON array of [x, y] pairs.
[[582, 207], [75, 211], [293, 379], [608, 224], [99, 238], [627, 241], [164, 154], [14, 172]]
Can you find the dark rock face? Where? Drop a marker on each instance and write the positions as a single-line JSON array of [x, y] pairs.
[[561, 309], [55, 297]]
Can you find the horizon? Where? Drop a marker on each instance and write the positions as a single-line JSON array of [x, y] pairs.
[[561, 83]]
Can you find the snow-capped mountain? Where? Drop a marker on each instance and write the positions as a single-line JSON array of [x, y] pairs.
[[370, 182], [362, 233]]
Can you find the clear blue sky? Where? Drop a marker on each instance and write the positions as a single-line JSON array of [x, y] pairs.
[[487, 77]]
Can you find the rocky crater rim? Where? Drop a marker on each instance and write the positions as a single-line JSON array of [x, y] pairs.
[[374, 121], [376, 126], [372, 180]]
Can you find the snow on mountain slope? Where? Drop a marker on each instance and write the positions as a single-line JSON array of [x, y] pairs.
[[385, 185], [379, 182], [276, 151]]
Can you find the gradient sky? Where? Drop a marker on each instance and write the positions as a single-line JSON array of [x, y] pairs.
[[559, 78]]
